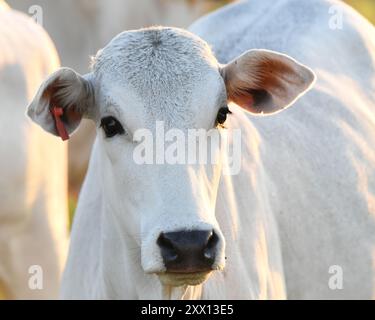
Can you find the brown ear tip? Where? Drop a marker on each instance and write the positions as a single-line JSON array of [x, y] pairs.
[[313, 77], [309, 78]]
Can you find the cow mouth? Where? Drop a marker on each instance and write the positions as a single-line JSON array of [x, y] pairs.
[[176, 279]]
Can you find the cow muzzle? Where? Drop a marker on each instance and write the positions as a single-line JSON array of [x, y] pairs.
[[188, 256]]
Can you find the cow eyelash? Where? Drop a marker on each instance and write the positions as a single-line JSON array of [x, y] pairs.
[[222, 116], [111, 127]]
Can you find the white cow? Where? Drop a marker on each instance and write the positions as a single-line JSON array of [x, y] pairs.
[[153, 231], [320, 155], [33, 210]]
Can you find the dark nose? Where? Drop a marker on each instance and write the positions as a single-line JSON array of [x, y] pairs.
[[188, 251]]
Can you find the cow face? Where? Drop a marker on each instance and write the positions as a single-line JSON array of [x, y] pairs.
[[144, 85]]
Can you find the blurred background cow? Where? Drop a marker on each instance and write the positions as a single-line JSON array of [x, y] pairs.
[[33, 180]]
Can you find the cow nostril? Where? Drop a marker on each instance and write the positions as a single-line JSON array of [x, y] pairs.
[[212, 240], [169, 250], [165, 242], [209, 251]]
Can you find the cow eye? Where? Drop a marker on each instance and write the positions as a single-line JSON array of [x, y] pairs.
[[111, 127], [222, 115]]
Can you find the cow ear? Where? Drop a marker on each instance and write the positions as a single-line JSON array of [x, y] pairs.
[[265, 82], [69, 93]]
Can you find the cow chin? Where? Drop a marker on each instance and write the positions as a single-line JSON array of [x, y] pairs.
[[183, 279]]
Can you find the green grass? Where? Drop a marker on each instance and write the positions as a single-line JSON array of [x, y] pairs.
[[72, 205]]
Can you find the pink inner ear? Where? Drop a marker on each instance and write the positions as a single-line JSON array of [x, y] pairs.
[[245, 101], [72, 115], [57, 113]]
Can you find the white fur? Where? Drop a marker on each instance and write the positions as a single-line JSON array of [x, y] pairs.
[[319, 156], [33, 214]]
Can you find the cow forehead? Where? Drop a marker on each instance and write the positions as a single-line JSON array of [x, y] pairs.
[[166, 67], [153, 51]]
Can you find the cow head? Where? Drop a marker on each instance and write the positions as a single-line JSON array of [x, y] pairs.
[[165, 75]]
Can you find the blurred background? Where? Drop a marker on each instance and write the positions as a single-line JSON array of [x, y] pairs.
[[79, 28]]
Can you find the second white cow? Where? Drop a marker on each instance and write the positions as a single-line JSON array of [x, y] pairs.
[[33, 166]]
